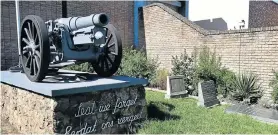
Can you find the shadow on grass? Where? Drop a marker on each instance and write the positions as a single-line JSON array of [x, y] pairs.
[[161, 111], [156, 111]]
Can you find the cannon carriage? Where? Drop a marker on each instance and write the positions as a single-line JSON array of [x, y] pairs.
[[65, 41]]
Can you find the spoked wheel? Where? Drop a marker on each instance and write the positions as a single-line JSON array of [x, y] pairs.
[[111, 53], [35, 51]]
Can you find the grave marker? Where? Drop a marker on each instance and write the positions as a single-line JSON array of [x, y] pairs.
[[175, 87], [207, 94]]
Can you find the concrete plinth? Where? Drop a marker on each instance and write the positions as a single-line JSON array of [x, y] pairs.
[[94, 105]]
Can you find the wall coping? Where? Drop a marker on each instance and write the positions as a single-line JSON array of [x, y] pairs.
[[209, 32], [180, 17], [250, 30]]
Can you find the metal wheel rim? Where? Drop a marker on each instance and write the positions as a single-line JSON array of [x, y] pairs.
[[109, 61], [30, 48]]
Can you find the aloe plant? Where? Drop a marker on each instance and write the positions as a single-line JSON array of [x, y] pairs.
[[246, 87]]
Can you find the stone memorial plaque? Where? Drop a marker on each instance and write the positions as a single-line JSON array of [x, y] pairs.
[[106, 112], [175, 87], [207, 94]]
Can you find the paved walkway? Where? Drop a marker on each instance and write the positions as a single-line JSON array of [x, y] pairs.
[[260, 113]]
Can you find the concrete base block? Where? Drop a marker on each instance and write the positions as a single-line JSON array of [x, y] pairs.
[[110, 111], [101, 105]]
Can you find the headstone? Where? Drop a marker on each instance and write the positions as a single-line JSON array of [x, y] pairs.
[[175, 87], [96, 105], [207, 94]]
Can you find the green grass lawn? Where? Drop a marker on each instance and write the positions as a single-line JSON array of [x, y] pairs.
[[182, 115]]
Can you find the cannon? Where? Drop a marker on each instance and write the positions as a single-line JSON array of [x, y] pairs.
[[54, 44]]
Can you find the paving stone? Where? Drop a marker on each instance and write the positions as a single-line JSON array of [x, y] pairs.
[[260, 113]]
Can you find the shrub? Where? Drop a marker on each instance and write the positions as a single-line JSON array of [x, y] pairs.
[[208, 65], [275, 95], [135, 64], [84, 67], [225, 82], [274, 85], [246, 87], [184, 65], [161, 79]]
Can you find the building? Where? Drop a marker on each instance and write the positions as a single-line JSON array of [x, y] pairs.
[[263, 13], [228, 14]]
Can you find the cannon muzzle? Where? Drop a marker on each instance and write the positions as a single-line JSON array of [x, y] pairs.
[[100, 19], [75, 23]]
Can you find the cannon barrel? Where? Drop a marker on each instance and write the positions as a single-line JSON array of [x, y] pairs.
[[75, 23]]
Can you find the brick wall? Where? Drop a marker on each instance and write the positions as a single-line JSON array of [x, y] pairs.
[[120, 13], [167, 33], [142, 42], [263, 14], [46, 9]]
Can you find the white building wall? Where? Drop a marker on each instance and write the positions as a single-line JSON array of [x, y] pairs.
[[231, 11]]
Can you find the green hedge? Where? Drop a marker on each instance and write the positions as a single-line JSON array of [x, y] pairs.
[[135, 64]]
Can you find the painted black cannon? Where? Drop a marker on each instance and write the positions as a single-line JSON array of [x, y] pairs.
[[66, 41]]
